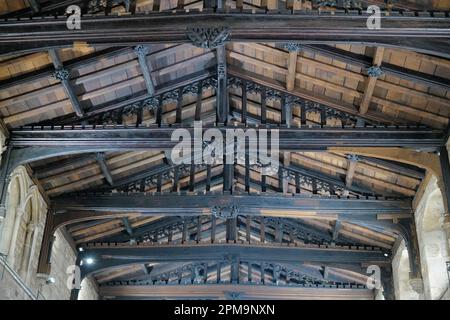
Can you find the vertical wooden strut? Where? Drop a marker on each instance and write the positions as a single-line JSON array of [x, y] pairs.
[[101, 160], [141, 52], [44, 266], [221, 91], [63, 75], [198, 105], [35, 6], [292, 70], [373, 73], [244, 102]]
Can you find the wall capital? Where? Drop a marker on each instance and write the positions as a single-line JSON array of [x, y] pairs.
[[446, 222], [416, 284]]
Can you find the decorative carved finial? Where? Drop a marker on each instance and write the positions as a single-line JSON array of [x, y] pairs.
[[208, 37], [352, 157], [374, 71], [326, 3], [151, 103], [141, 50], [293, 47], [221, 70], [233, 295], [61, 74], [225, 212]]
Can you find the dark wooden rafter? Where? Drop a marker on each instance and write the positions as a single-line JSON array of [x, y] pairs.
[[221, 91], [125, 254], [238, 291], [42, 144], [214, 227], [63, 75], [145, 180], [153, 137], [288, 206], [393, 166], [431, 34], [351, 168], [137, 102], [208, 216], [100, 158], [142, 51], [337, 106], [373, 73], [35, 5]]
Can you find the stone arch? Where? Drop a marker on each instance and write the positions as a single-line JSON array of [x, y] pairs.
[[401, 274], [22, 215], [432, 244], [14, 198], [31, 219]]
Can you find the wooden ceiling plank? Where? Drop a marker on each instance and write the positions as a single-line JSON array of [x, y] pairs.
[[77, 63], [301, 93], [361, 177], [398, 171], [21, 98], [94, 166], [351, 74], [105, 72], [24, 117], [362, 61]]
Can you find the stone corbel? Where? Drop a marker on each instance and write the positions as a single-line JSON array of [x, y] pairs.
[[416, 284]]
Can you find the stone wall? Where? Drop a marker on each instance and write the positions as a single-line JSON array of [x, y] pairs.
[[432, 240], [21, 234], [428, 213], [2, 142], [400, 273]]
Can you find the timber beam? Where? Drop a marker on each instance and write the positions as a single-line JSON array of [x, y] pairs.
[[104, 256], [234, 291], [160, 138], [177, 204], [424, 33]]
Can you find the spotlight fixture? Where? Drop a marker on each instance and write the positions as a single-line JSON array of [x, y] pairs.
[[89, 261], [50, 280]]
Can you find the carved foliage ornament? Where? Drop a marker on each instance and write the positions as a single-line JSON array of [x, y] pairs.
[[61, 74], [225, 212], [293, 47], [208, 37], [374, 71], [141, 50]]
